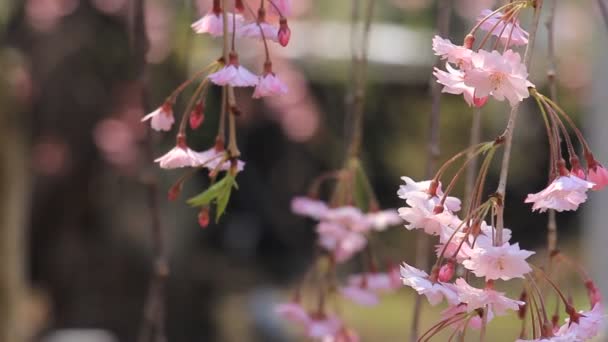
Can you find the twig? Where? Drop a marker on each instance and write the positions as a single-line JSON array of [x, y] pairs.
[[473, 165], [444, 10], [359, 65], [153, 324], [551, 77], [508, 133]]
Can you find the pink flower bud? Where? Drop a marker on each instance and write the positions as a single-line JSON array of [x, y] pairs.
[[203, 217], [284, 32], [239, 6], [197, 116], [469, 40], [174, 191], [479, 101], [446, 272], [595, 296]]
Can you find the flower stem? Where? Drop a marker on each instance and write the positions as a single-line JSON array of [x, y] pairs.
[[444, 10], [508, 134]]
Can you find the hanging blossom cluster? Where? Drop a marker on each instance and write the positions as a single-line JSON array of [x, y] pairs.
[[226, 72], [476, 252], [345, 232]]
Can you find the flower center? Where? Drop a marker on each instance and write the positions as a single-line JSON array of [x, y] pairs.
[[496, 79]]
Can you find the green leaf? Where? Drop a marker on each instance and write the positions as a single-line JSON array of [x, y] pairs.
[[222, 201], [207, 196]]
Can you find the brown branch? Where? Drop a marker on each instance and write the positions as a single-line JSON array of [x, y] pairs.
[[551, 77], [153, 324], [359, 66], [444, 10]]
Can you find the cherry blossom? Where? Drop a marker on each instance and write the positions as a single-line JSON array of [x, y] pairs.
[[161, 119], [212, 23], [564, 193], [343, 335], [322, 325], [349, 217], [455, 54], [293, 312], [179, 156], [255, 30], [284, 34], [212, 158], [499, 75], [234, 75], [598, 175], [589, 325], [421, 215], [360, 294], [421, 190], [453, 83], [305, 206], [342, 242], [381, 220], [498, 262], [420, 282], [478, 298], [269, 85], [507, 29]]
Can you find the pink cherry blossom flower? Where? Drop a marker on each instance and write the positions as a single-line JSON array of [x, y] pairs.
[[212, 158], [255, 29], [360, 294], [162, 118], [293, 312], [420, 282], [421, 215], [568, 337], [500, 75], [455, 54], [453, 83], [343, 335], [234, 75], [564, 193], [322, 325], [507, 29], [380, 220], [498, 262], [421, 190], [377, 281], [478, 298], [350, 217], [598, 175], [342, 242], [180, 156], [589, 325], [269, 85], [305, 206], [213, 23], [283, 7]]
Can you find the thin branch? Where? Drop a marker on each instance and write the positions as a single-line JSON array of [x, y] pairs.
[[474, 164], [444, 10], [359, 65], [153, 325], [551, 77], [508, 133]]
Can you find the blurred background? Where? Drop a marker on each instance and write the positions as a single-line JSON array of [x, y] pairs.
[[75, 241]]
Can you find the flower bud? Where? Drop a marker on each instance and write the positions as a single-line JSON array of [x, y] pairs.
[[469, 40], [174, 191], [446, 272], [203, 217], [284, 34], [197, 115]]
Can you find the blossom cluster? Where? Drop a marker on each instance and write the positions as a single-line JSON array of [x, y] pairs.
[[343, 232]]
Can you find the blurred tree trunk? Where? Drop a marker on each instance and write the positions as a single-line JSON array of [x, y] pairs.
[[12, 216]]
